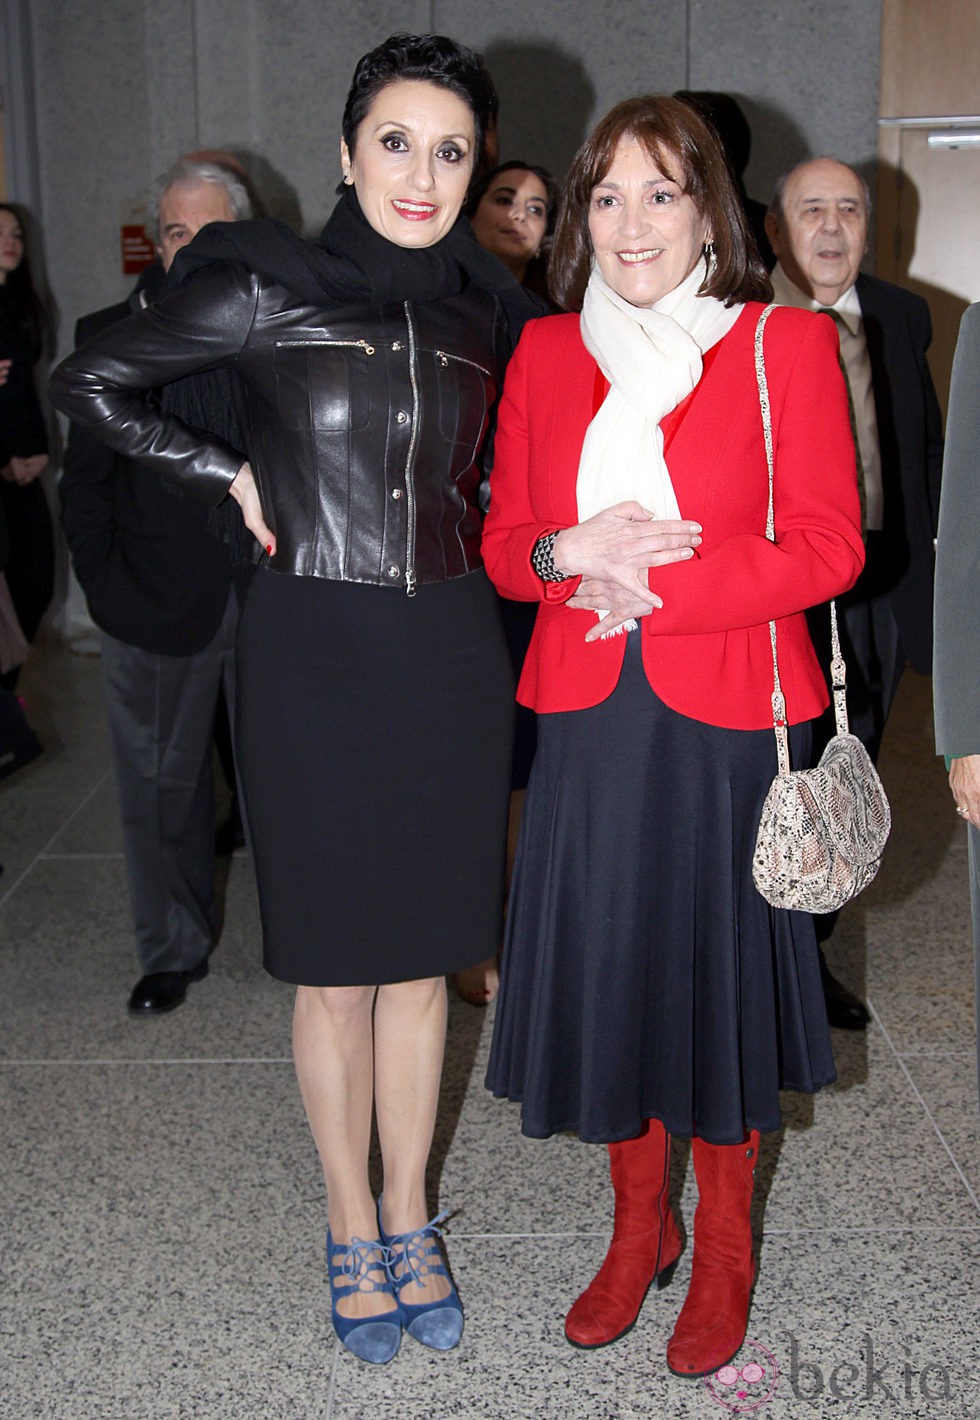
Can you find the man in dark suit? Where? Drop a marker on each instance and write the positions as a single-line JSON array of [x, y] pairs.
[[818, 227], [159, 585]]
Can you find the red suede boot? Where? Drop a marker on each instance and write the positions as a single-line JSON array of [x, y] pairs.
[[711, 1326], [645, 1242]]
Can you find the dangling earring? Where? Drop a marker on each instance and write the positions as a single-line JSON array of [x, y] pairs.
[[708, 251]]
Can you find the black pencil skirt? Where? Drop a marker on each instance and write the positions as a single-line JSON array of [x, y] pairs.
[[374, 741]]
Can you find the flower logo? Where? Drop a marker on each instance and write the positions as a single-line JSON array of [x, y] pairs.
[[745, 1384]]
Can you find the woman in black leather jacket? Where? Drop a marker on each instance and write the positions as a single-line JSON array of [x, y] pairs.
[[375, 692]]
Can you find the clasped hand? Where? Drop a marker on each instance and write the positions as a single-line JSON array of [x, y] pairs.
[[612, 553]]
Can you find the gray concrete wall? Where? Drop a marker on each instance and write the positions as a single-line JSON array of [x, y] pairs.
[[123, 86]]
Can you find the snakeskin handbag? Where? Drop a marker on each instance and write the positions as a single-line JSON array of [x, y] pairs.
[[823, 830]]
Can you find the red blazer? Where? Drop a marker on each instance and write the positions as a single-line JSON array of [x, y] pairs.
[[707, 651]]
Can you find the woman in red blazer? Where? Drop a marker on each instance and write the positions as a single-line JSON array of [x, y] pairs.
[[648, 988]]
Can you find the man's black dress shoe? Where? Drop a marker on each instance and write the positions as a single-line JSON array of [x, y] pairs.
[[844, 1010], [163, 990]]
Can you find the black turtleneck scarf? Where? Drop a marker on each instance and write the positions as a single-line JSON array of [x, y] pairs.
[[352, 262]]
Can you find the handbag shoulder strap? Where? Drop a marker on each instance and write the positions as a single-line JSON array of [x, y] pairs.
[[837, 666]]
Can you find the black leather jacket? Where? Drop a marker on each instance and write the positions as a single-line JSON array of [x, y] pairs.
[[363, 422]]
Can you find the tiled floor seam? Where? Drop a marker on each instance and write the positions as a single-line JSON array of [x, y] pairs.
[[332, 1387], [11, 888], [892, 1230], [79, 857], [142, 1061], [925, 1108], [946, 1053]]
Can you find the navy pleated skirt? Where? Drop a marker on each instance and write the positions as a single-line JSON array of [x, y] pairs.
[[374, 739], [643, 975]]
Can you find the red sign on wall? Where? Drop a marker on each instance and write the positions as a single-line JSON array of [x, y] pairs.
[[137, 249]]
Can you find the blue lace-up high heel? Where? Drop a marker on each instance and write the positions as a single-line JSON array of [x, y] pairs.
[[414, 1257], [350, 1268]]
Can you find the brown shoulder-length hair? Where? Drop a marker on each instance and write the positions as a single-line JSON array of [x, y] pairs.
[[686, 150]]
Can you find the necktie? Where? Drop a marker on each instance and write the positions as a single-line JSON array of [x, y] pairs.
[[838, 320]]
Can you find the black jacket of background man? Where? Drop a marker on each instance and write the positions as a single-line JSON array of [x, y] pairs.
[[152, 573], [898, 331]]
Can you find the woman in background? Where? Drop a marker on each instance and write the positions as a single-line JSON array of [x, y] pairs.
[[23, 434], [512, 212]]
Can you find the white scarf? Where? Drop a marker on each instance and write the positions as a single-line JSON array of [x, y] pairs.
[[652, 360]]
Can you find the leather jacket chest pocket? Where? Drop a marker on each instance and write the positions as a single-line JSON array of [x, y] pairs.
[[324, 384], [464, 390]]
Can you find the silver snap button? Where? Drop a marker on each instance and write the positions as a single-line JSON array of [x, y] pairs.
[[397, 493], [393, 571], [397, 345], [401, 417]]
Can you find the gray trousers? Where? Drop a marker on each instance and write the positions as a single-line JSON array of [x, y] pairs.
[[160, 712]]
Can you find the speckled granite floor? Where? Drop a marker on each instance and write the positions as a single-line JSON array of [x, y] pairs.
[[160, 1198]]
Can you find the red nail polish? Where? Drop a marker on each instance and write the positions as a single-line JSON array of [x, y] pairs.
[[268, 548]]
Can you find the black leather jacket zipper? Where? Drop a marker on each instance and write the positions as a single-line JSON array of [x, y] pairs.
[[353, 344], [410, 459], [444, 357]]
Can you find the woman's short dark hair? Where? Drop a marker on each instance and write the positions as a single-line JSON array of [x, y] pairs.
[[432, 59], [484, 183], [688, 151]]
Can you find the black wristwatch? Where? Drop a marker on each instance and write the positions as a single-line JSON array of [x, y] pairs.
[[543, 559]]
